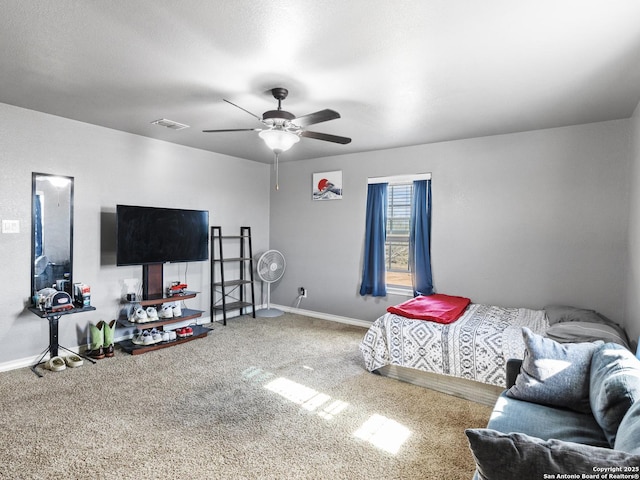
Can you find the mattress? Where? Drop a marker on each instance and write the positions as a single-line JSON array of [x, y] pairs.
[[474, 347]]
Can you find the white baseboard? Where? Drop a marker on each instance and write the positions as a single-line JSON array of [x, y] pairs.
[[30, 361], [300, 311], [307, 313], [20, 363], [325, 316]]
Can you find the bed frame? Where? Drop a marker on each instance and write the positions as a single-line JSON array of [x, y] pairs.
[[478, 392]]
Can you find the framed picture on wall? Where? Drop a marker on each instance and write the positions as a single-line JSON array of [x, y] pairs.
[[327, 185]]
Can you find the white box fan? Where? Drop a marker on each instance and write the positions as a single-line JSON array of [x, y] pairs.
[[270, 268]]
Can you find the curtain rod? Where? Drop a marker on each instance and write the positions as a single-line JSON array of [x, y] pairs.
[[400, 178]]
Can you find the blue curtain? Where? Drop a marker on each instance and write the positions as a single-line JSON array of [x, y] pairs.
[[37, 225], [373, 272], [420, 239]]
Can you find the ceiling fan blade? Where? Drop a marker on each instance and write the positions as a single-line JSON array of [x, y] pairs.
[[326, 137], [243, 109], [234, 130], [316, 117]]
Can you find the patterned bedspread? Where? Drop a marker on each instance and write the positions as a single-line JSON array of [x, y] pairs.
[[474, 347]]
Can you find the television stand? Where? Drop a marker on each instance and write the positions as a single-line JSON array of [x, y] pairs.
[[152, 280], [153, 295]]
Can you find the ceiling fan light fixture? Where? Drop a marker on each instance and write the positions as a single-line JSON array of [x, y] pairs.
[[279, 140]]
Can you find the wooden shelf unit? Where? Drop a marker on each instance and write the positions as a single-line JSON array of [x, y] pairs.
[[128, 346], [153, 296]]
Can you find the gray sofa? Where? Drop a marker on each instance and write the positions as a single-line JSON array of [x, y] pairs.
[[570, 409]]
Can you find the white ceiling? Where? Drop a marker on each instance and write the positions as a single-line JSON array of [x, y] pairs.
[[399, 72]]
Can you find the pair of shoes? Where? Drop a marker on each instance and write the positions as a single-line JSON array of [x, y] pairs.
[[55, 364], [169, 336], [184, 332], [170, 311], [102, 340], [143, 338], [148, 337], [138, 315]]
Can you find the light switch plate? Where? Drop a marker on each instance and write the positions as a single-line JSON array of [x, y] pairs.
[[10, 226]]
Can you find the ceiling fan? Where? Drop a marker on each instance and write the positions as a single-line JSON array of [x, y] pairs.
[[283, 129]]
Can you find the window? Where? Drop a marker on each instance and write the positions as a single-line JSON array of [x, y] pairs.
[[396, 249], [397, 238]]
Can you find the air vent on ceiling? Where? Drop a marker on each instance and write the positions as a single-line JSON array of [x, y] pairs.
[[163, 122]]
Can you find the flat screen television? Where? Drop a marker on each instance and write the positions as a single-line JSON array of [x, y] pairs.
[[151, 235]]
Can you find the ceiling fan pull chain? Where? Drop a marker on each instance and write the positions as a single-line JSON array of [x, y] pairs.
[[277, 172]]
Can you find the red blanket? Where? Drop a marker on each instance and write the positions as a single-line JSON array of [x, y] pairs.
[[437, 308]]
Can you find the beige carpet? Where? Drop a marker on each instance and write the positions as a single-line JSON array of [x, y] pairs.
[[280, 398]]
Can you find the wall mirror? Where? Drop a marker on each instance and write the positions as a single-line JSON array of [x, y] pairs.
[[52, 228]]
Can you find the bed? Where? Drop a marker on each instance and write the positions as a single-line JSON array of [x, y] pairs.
[[474, 347], [466, 355]]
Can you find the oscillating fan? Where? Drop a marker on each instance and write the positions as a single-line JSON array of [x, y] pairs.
[[270, 268]]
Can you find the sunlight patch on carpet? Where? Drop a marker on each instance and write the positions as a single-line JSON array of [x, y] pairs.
[[308, 398], [384, 433], [333, 409], [257, 375]]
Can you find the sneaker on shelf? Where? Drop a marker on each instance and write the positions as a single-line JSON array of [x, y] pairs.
[[147, 338], [165, 336], [137, 338], [156, 336], [177, 311], [132, 314], [172, 335], [165, 312], [140, 315], [184, 332], [152, 314]]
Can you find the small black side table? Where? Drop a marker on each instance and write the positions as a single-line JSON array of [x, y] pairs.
[[53, 347]]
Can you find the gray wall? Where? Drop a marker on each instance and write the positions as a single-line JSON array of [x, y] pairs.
[[519, 220], [524, 219], [109, 167], [633, 273]]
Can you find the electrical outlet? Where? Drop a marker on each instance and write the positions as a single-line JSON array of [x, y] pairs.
[[302, 292]]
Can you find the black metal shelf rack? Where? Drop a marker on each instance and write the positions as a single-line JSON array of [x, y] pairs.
[[237, 293]]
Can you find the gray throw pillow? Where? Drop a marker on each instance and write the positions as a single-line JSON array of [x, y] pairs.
[[574, 332], [614, 386], [509, 456], [554, 373], [565, 313]]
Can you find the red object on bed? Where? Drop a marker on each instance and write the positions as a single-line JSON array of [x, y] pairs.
[[437, 308]]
